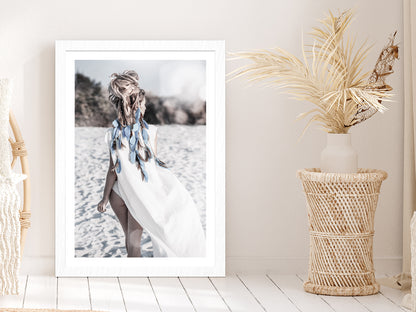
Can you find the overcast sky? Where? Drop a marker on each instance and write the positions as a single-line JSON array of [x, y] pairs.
[[184, 79]]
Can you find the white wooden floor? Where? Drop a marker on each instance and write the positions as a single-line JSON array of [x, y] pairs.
[[241, 292]]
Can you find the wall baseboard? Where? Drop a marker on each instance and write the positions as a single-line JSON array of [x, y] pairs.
[[37, 265], [46, 265], [297, 265]]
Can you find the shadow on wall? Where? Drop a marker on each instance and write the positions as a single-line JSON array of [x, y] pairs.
[[93, 109]]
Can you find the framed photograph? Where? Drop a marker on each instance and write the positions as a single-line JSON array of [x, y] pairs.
[[140, 158]]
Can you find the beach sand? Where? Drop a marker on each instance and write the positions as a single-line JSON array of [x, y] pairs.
[[100, 234]]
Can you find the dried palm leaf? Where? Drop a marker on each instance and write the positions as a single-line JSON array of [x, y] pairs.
[[377, 79], [330, 75]]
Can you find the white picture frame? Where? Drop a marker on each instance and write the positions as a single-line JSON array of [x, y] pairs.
[[66, 53]]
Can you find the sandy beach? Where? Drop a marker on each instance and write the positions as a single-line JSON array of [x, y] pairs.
[[100, 234]]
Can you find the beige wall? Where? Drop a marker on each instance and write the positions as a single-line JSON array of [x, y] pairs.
[[266, 216]]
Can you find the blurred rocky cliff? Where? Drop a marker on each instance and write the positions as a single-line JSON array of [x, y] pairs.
[[93, 109]]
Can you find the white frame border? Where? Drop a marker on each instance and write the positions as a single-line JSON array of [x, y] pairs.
[[67, 265]]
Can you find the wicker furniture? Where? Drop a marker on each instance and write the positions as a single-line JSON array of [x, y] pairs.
[[341, 210], [19, 150]]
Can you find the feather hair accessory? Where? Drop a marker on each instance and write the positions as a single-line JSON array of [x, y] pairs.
[[136, 136]]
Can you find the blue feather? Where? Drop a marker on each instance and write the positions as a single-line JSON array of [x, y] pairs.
[[132, 156], [126, 132], [146, 178], [118, 166], [136, 127], [160, 163], [141, 163], [145, 124], [145, 135], [132, 142], [115, 123], [137, 114]]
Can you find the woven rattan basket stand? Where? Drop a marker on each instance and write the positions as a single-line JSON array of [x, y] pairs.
[[341, 209]]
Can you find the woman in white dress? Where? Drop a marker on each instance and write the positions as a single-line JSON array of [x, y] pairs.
[[142, 191]]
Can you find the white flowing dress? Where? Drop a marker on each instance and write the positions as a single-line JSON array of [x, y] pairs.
[[162, 205]]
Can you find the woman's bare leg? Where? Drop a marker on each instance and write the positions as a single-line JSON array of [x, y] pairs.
[[134, 236], [121, 211]]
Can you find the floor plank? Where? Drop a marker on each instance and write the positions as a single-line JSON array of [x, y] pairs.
[[269, 296], [138, 294], [344, 304], [203, 294], [40, 292], [170, 294], [243, 292], [235, 294], [15, 301], [292, 286], [378, 303], [394, 295], [340, 304], [73, 293], [106, 294]]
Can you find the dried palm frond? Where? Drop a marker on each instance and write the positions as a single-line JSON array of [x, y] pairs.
[[330, 75], [377, 79]]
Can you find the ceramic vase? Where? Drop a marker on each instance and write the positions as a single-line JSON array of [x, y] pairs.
[[339, 155]]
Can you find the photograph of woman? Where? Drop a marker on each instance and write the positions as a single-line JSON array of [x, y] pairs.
[[141, 190], [140, 159]]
